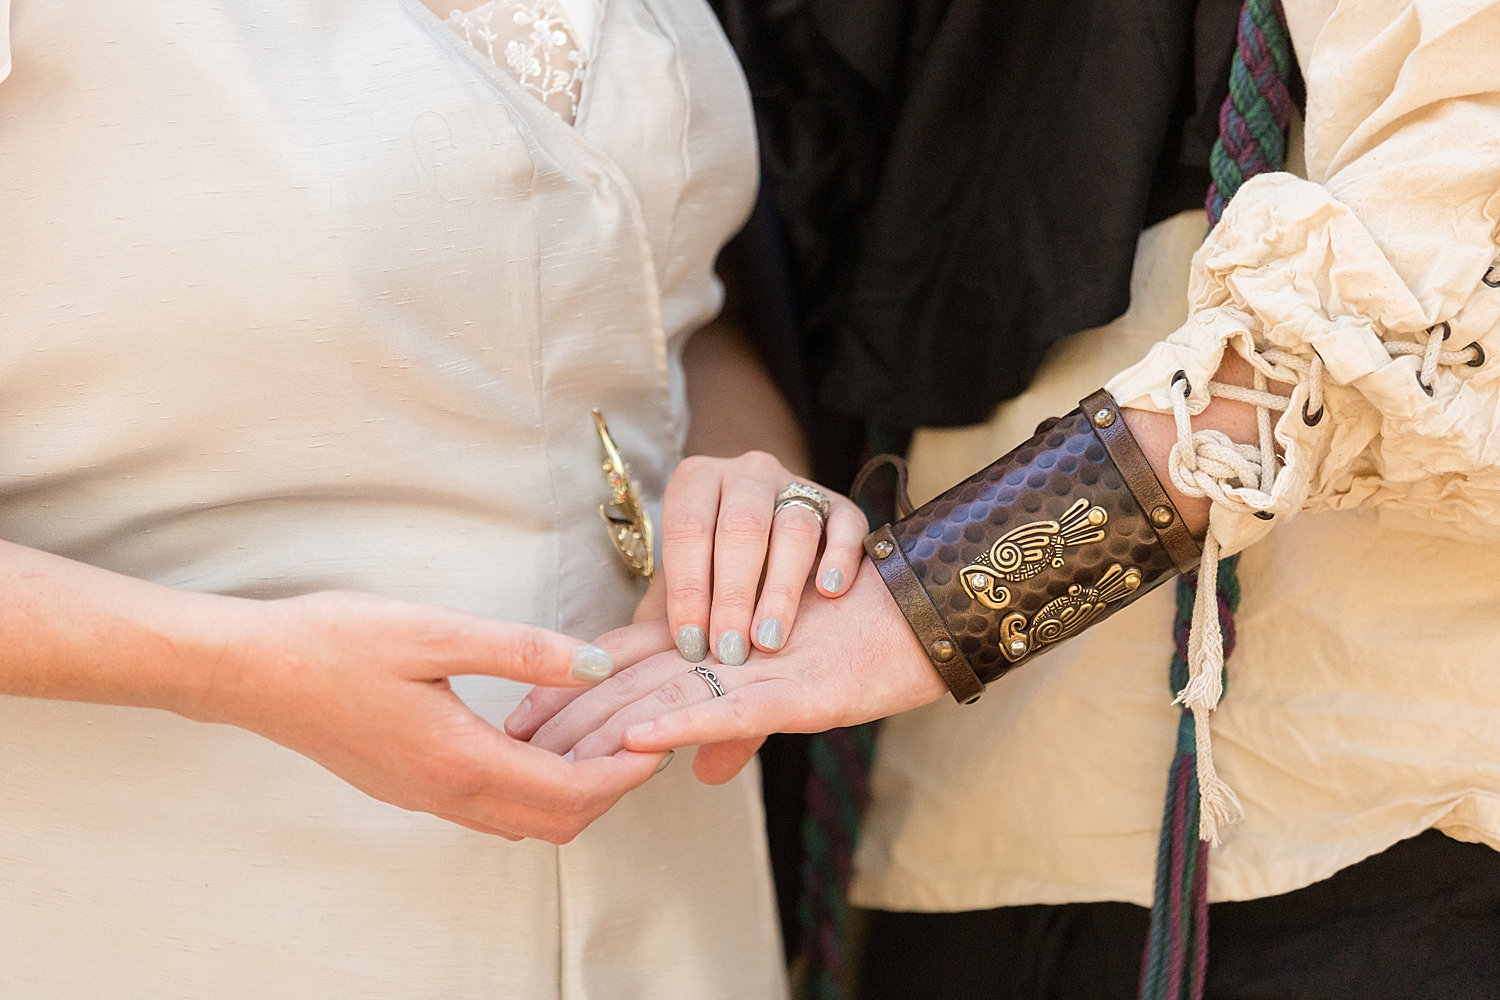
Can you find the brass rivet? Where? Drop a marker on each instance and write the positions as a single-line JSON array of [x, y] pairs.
[[1104, 418], [883, 548], [1162, 516], [942, 651]]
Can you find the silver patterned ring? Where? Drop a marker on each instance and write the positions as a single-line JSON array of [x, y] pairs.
[[807, 497], [709, 678]]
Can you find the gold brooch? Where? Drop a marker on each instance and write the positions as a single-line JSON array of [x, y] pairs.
[[625, 516]]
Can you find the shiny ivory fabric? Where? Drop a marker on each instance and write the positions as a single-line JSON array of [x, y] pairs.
[[1361, 705], [304, 295]]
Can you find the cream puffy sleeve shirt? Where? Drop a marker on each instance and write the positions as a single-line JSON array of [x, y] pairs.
[[1362, 706]]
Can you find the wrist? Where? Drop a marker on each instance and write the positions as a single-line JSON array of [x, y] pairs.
[[1065, 530]]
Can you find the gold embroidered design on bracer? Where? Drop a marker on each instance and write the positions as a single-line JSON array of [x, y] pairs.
[[1023, 553]]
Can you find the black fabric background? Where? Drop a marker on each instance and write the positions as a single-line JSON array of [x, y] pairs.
[[959, 183], [1420, 921]]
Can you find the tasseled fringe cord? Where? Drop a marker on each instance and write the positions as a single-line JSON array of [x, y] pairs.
[[1208, 464]]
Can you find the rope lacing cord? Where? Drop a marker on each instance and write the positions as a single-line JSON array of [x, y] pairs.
[[1241, 478]]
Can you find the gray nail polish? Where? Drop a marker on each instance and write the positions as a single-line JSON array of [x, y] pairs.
[[692, 643], [770, 633], [833, 580], [590, 663], [665, 761], [731, 649]]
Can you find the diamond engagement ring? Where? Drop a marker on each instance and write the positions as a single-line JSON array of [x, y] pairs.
[[709, 678], [809, 497]]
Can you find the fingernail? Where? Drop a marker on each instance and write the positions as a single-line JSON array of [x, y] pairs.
[[590, 663], [731, 648], [770, 634], [639, 731], [833, 580], [692, 643], [517, 719], [665, 761], [568, 756]]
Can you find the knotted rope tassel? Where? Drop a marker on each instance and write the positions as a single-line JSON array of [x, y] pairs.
[[1252, 139]]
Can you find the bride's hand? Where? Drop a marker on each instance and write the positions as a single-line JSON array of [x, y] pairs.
[[847, 662], [360, 685], [719, 536]]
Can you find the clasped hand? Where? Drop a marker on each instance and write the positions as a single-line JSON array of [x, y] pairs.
[[841, 655]]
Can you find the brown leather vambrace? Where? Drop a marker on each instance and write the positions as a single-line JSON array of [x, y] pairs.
[[1059, 534]]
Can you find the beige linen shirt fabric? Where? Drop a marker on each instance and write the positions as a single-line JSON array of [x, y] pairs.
[[297, 295], [1361, 706]]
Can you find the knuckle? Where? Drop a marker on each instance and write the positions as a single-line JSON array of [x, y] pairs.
[[628, 685], [781, 593], [732, 600], [744, 522], [571, 804], [685, 529], [687, 592], [759, 461], [530, 648], [672, 695]]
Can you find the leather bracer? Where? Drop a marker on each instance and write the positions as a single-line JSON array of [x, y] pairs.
[[1059, 534]]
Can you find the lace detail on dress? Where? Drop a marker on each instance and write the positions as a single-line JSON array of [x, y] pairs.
[[538, 45]]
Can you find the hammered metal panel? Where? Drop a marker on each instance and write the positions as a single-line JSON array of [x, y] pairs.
[[1039, 481]]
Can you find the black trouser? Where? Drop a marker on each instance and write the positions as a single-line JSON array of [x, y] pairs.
[[1421, 920]]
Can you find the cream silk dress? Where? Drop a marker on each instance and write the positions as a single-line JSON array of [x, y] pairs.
[[1362, 703], [298, 295]]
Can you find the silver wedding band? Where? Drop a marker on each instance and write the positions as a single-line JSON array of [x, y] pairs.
[[709, 678], [806, 497]]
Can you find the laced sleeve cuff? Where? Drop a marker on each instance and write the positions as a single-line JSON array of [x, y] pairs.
[[1396, 405]]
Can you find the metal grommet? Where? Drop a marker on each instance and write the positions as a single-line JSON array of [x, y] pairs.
[[1162, 516], [1447, 330], [972, 700], [1264, 515], [1182, 375], [882, 549], [1478, 360], [1104, 418], [1311, 420], [1487, 281], [1425, 387], [942, 650]]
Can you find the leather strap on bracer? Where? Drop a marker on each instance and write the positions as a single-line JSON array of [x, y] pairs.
[[1057, 535]]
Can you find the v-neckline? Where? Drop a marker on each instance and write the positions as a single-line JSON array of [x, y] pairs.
[[507, 82]]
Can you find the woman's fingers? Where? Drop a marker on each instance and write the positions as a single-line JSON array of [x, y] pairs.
[[690, 514], [625, 647], [740, 540], [796, 533], [716, 763], [678, 691], [846, 530], [583, 715], [745, 714], [524, 791]]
